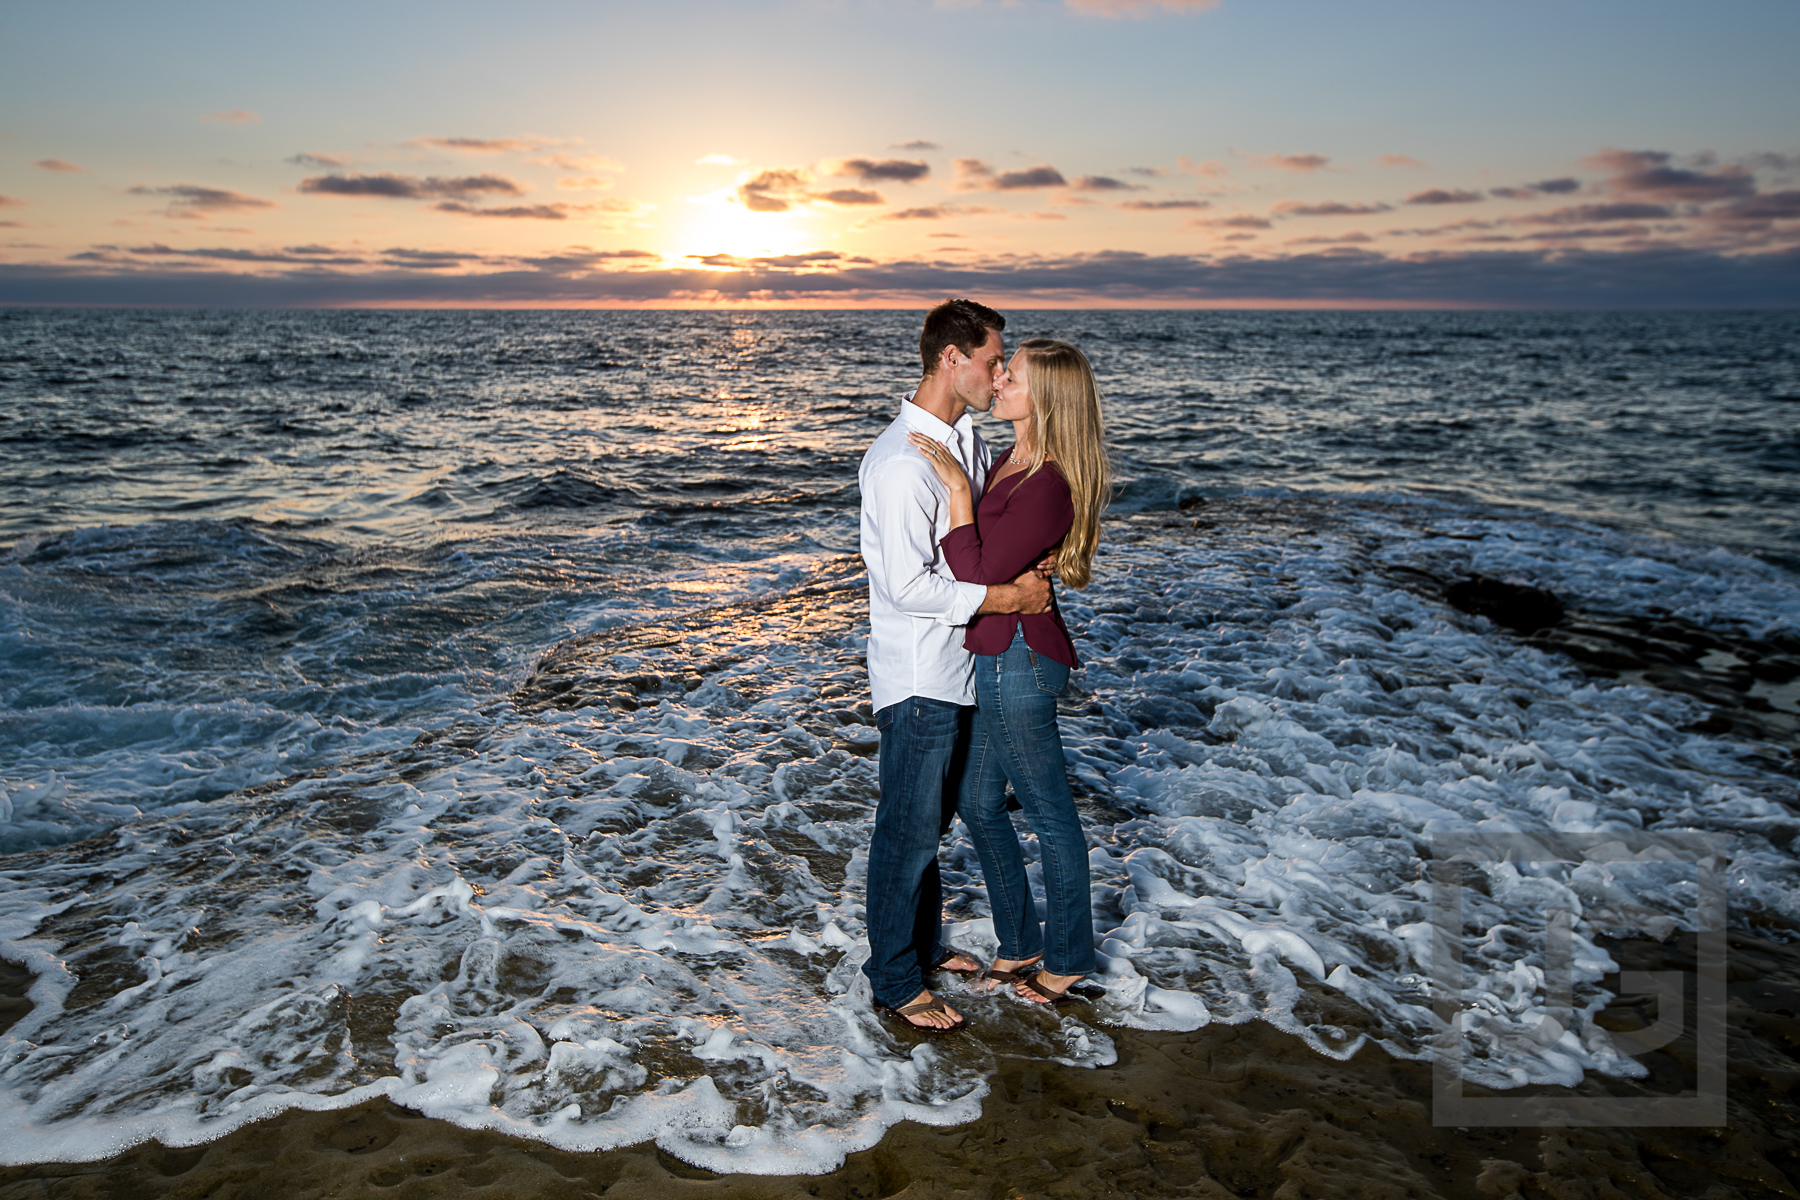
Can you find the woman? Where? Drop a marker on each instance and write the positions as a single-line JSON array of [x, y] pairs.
[[1044, 499]]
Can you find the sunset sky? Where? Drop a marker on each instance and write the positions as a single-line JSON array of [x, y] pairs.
[[1050, 152]]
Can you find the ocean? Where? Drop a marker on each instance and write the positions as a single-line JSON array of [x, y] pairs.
[[468, 707]]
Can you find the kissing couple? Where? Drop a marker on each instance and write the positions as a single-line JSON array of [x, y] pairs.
[[968, 653]]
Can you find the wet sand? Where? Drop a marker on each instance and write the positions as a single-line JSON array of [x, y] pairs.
[[1223, 1112]]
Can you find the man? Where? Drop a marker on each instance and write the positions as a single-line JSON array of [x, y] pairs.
[[921, 678]]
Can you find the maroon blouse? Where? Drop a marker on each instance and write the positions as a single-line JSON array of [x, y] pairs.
[[1018, 521]]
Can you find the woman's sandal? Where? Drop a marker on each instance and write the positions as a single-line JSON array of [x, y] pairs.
[[919, 1008], [1051, 999], [994, 977]]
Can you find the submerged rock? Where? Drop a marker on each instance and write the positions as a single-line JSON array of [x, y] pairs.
[[1513, 605]]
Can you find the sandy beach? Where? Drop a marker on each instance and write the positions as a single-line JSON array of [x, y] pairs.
[[1223, 1112]]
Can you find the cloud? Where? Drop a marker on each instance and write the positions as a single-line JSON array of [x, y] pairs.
[[578, 259], [849, 196], [778, 262], [11, 202], [1210, 169], [59, 166], [1104, 183], [305, 159], [1042, 175], [1161, 205], [1647, 174], [1444, 196], [584, 183], [1138, 8], [1530, 191], [1576, 214], [430, 258], [409, 187], [937, 212], [782, 188], [1286, 162], [292, 254], [775, 190], [1551, 276], [1767, 206], [716, 160], [1576, 235], [1762, 160], [884, 170], [472, 145], [1397, 160], [1328, 208], [191, 200], [975, 173], [1342, 239], [972, 172], [1240, 221], [233, 116], [524, 212], [918, 146], [565, 161]]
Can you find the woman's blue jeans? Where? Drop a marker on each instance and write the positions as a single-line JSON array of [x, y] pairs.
[[1015, 740]]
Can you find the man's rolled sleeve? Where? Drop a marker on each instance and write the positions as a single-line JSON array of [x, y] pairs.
[[909, 567]]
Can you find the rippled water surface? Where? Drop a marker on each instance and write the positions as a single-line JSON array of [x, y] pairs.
[[287, 825]]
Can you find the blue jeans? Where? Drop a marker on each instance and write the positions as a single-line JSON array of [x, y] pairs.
[[922, 747], [1015, 739]]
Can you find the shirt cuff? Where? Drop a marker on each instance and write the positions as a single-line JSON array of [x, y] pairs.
[[969, 597]]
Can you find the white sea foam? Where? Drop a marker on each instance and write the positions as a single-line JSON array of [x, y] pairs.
[[597, 928]]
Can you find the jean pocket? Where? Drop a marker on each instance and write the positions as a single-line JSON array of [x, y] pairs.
[[1052, 677], [884, 718]]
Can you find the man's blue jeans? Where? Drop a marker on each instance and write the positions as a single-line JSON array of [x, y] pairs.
[[922, 747], [1015, 739]]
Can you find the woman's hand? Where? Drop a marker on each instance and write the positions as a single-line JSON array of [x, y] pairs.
[[942, 461]]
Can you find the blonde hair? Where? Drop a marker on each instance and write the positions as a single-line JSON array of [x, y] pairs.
[[1069, 428]]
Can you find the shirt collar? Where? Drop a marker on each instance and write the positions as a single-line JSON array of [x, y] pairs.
[[917, 418]]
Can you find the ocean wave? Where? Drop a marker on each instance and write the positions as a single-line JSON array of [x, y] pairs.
[[624, 903]]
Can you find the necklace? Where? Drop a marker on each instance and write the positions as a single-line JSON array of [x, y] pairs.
[[1013, 458]]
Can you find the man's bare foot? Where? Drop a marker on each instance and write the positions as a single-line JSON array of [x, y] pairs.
[[1048, 988], [941, 1017]]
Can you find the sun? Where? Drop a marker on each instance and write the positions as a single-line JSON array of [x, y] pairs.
[[716, 224]]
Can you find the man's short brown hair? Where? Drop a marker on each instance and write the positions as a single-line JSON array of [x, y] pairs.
[[956, 322]]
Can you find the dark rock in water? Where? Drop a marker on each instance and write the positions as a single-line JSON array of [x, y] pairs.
[[1190, 503], [1510, 604]]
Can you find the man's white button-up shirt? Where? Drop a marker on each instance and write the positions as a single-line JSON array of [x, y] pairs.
[[917, 608]]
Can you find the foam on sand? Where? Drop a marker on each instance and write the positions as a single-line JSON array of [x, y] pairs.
[[625, 904]]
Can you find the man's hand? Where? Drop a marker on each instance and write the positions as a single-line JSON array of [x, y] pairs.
[[1029, 593]]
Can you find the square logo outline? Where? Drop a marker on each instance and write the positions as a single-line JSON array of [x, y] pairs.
[[1706, 1106]]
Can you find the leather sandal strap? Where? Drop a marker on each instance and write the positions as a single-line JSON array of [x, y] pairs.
[[919, 1008]]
